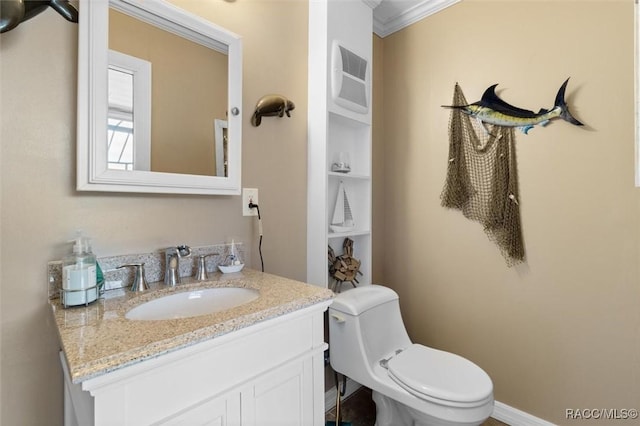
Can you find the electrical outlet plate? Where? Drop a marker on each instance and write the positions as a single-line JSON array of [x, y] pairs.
[[249, 195]]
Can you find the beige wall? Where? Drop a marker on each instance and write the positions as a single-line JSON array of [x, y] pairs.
[[378, 146], [40, 208], [563, 330]]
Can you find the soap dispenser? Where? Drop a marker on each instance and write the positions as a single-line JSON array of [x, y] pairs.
[[79, 286]]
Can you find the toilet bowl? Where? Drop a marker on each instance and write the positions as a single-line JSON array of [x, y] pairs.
[[412, 384]]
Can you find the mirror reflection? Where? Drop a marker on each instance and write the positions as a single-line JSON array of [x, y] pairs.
[[167, 100]]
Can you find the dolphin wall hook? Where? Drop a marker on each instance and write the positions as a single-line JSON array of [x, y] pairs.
[[13, 12], [270, 106]]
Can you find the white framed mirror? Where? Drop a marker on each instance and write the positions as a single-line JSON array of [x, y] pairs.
[[155, 83]]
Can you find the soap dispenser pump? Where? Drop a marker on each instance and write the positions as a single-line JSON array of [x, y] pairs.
[[79, 286]]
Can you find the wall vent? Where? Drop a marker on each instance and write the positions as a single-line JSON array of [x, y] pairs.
[[350, 79]]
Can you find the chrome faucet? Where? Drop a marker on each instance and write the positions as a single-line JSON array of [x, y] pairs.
[[172, 258], [201, 275], [140, 280]]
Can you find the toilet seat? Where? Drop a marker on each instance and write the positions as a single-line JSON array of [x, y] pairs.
[[440, 377]]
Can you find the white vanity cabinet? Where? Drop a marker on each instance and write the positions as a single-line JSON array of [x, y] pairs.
[[270, 373]]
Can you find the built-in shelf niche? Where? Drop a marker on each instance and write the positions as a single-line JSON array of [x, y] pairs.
[[353, 138], [361, 251], [359, 193]]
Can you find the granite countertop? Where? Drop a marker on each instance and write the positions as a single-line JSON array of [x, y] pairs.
[[97, 339]]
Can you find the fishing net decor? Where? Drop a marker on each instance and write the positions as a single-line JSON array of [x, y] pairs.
[[482, 179]]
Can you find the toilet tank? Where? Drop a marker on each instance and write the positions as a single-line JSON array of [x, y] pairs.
[[365, 325]]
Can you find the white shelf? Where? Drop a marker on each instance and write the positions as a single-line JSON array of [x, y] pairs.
[[337, 134], [349, 234], [348, 175], [351, 138], [348, 117]]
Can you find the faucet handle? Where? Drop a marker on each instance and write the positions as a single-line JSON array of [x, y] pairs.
[[201, 275], [183, 250], [140, 279]]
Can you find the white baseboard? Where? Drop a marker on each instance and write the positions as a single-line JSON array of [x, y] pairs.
[[502, 412]]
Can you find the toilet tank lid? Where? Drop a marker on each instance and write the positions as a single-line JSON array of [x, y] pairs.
[[361, 299]]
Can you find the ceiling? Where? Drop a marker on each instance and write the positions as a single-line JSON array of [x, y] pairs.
[[390, 16]]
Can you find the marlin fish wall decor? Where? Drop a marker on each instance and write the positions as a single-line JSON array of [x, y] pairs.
[[493, 110]]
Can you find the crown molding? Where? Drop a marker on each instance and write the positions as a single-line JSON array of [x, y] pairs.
[[408, 17]]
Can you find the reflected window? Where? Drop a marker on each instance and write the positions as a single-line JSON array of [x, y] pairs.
[[120, 144], [129, 114]]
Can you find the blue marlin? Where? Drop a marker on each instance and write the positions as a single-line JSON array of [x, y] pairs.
[[493, 110]]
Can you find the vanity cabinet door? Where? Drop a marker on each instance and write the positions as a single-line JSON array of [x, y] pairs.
[[220, 411], [282, 397]]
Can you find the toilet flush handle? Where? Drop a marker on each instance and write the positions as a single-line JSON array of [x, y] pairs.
[[338, 318]]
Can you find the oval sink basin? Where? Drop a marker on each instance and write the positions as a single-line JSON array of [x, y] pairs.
[[193, 303]]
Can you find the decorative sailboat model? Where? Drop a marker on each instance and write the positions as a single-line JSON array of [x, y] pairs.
[[342, 220]]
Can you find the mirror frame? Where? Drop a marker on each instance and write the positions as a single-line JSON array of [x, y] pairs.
[[93, 46]]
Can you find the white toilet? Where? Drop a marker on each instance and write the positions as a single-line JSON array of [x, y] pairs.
[[412, 384]]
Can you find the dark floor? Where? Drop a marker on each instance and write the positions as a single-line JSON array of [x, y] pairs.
[[360, 410]]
